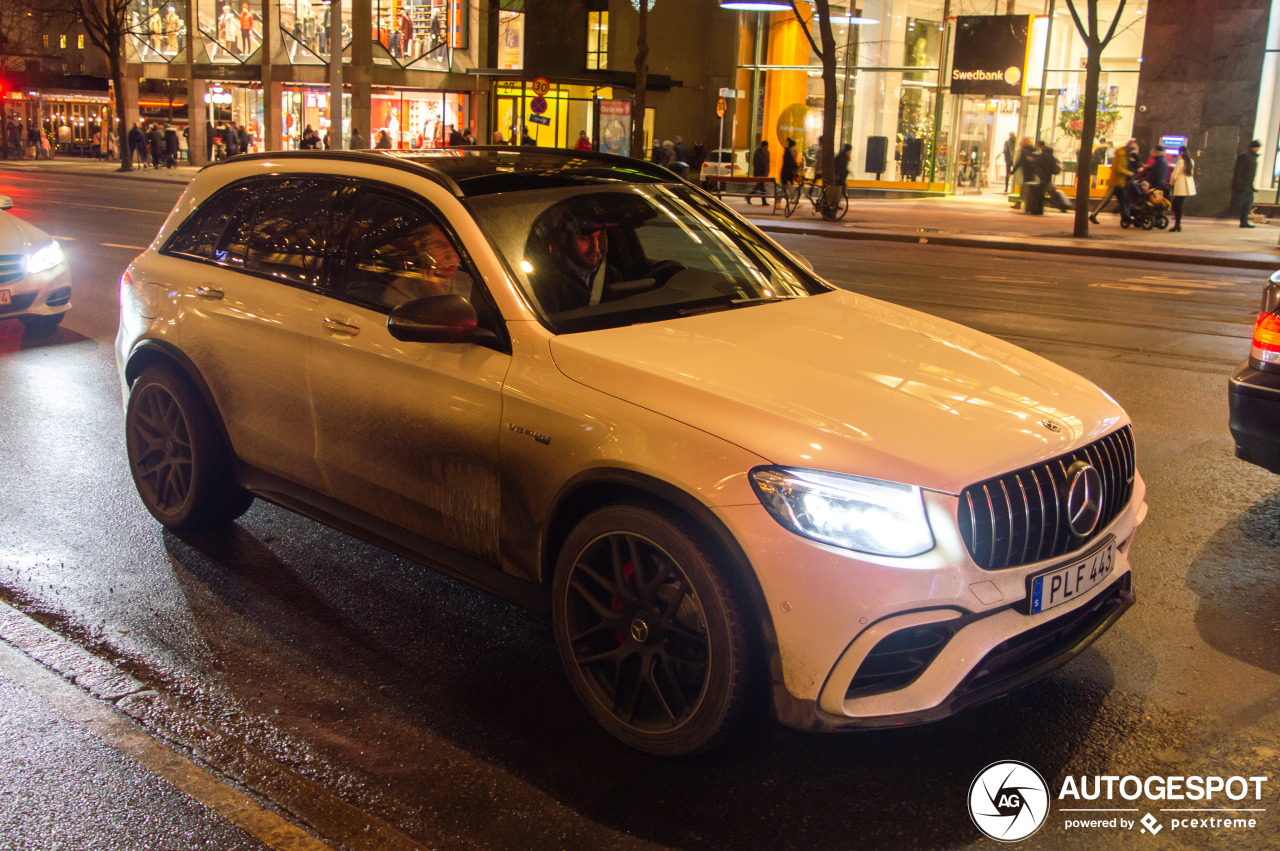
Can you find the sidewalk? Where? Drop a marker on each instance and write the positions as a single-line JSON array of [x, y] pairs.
[[970, 221]]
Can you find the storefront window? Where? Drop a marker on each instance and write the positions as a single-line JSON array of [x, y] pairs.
[[888, 90], [414, 33], [158, 31], [230, 30], [569, 110], [305, 27], [415, 119]]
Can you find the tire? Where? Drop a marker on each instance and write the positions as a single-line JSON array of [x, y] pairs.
[[1162, 222], [1126, 223], [41, 323], [1148, 223], [180, 464], [791, 195], [649, 631]]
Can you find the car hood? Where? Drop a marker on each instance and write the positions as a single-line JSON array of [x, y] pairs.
[[848, 383], [18, 236]]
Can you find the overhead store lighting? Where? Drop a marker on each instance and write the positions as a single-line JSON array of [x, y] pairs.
[[756, 5]]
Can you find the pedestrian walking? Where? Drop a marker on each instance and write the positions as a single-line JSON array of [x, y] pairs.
[[681, 151], [1010, 155], [1184, 185], [842, 164], [584, 142], [468, 138], [1047, 168], [155, 141], [1031, 196], [357, 141], [384, 140], [170, 146], [1116, 185], [1242, 177], [760, 165], [138, 144], [1098, 159], [790, 163]]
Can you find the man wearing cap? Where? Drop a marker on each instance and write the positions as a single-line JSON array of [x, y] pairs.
[[575, 246], [1242, 176]]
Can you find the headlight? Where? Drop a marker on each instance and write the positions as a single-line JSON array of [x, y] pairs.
[[867, 515], [45, 258]]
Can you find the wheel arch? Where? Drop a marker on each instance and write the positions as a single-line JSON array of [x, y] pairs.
[[151, 352], [596, 488]]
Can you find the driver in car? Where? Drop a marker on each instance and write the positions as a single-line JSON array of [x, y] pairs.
[[575, 248]]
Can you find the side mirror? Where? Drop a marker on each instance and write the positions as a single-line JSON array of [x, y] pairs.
[[446, 318], [5, 202], [803, 261]]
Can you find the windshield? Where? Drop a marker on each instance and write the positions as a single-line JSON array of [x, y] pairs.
[[619, 255]]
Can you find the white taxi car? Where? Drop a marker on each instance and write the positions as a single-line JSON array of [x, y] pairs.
[[35, 280], [591, 388]]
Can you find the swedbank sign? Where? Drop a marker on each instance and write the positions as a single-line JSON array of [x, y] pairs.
[[990, 55]]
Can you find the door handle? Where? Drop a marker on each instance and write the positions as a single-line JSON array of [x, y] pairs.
[[335, 327], [211, 293]]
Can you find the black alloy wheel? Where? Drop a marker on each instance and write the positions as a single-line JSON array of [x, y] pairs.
[[649, 632], [179, 463]]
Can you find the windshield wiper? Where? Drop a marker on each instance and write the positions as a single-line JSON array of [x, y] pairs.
[[732, 303]]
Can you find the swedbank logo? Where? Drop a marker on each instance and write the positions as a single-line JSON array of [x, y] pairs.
[[1011, 75]]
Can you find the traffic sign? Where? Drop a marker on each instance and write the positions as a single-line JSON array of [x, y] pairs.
[[540, 119], [721, 107], [541, 86], [538, 105]]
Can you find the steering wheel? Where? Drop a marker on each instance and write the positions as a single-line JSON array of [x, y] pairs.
[[664, 270]]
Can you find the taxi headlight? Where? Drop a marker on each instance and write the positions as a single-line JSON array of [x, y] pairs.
[[46, 258], [867, 515]]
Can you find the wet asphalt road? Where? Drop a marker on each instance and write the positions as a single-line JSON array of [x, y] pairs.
[[381, 705]]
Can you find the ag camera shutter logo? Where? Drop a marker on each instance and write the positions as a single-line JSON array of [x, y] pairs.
[[1008, 801]]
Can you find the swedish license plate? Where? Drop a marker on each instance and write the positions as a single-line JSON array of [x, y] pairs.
[[1063, 584], [4, 296]]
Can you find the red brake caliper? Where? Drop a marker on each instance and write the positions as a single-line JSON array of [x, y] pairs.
[[628, 574]]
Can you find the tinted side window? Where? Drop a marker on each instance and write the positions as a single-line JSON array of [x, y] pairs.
[[293, 229], [200, 234], [398, 252]]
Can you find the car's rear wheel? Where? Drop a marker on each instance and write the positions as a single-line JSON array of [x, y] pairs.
[[41, 323], [180, 464], [650, 632]]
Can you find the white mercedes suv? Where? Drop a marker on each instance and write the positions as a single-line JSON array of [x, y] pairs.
[[587, 386]]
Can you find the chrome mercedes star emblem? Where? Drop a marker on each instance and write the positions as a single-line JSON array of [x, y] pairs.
[[1084, 498], [1051, 425]]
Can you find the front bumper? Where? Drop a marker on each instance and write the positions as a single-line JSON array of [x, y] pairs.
[[1254, 400], [963, 628], [39, 294]]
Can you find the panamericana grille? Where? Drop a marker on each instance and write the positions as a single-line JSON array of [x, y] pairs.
[[12, 267], [1021, 517]]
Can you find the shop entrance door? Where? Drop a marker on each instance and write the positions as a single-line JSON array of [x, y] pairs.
[[982, 126]]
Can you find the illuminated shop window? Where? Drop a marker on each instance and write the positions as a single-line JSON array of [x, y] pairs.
[[158, 31], [305, 28], [413, 33]]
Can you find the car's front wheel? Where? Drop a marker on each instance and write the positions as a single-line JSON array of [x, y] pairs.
[[650, 632], [180, 464]]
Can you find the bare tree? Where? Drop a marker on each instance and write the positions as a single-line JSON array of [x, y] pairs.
[[1094, 45], [825, 48], [108, 23]]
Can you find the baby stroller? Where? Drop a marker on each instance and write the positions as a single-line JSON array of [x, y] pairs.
[[1149, 208]]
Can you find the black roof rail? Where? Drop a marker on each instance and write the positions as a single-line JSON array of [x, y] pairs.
[[366, 156]]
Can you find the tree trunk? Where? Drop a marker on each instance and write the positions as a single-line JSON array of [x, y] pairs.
[[1089, 121], [642, 81], [826, 154], [122, 140]]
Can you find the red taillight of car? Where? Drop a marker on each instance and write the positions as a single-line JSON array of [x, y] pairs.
[[1266, 339]]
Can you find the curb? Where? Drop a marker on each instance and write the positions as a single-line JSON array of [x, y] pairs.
[[136, 174], [1038, 246]]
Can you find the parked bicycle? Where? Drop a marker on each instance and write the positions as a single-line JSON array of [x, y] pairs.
[[813, 190]]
